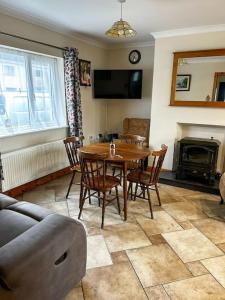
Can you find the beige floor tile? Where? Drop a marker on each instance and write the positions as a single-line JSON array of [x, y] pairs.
[[75, 294], [198, 288], [119, 257], [140, 207], [157, 239], [157, 264], [216, 267], [186, 224], [213, 229], [221, 246], [162, 222], [39, 197], [57, 207], [125, 236], [191, 245], [183, 211], [97, 252], [196, 268], [156, 293], [116, 282]]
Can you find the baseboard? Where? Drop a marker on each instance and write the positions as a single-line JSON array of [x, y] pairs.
[[37, 182]]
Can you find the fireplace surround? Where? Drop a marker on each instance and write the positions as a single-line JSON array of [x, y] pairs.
[[197, 159]]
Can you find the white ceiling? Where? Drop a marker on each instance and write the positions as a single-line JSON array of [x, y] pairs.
[[91, 18]]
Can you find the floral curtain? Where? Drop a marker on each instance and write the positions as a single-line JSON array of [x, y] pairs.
[[1, 173], [72, 86]]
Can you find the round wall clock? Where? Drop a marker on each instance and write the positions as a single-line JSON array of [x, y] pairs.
[[134, 56]]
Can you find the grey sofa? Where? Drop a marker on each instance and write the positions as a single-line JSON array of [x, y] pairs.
[[42, 254]]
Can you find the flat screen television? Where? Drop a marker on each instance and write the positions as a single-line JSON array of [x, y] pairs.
[[118, 84]]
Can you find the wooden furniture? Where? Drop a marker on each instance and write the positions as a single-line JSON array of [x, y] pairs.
[[94, 178], [185, 59], [129, 139], [137, 126], [72, 144], [148, 179], [124, 154]]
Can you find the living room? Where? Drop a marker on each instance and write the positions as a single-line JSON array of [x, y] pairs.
[[128, 254]]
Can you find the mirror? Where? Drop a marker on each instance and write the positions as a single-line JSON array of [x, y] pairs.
[[198, 78]]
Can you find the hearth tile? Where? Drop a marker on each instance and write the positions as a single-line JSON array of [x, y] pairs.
[[97, 252], [191, 245], [162, 222], [75, 294], [157, 264], [203, 287], [156, 293], [213, 229], [216, 267], [184, 211], [116, 282], [196, 268], [125, 236]]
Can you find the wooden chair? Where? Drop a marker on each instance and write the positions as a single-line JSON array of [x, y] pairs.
[[129, 139], [94, 178], [147, 180], [72, 144]]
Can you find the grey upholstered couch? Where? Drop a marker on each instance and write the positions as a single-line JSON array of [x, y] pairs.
[[42, 254]]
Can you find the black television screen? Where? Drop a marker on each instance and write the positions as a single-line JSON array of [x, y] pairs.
[[118, 84]]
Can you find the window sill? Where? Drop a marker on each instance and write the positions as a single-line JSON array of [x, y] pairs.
[[31, 132]]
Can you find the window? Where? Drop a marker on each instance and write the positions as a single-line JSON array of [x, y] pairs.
[[31, 92]]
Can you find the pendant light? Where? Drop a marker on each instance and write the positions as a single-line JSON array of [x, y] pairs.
[[121, 28]]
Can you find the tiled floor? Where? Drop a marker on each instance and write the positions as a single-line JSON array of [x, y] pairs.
[[179, 255]]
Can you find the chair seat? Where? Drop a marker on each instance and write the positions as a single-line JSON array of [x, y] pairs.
[[139, 176], [76, 168], [97, 183]]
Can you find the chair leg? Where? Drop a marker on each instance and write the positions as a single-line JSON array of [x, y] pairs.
[[113, 174], [81, 193], [129, 191], [71, 182], [82, 203], [157, 193], [149, 202], [89, 196], [99, 200], [103, 210], [118, 199], [135, 193]]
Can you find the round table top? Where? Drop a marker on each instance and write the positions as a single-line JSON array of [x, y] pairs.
[[123, 152]]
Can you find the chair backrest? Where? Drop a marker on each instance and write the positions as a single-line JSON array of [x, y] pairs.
[[132, 139], [92, 167], [137, 126], [72, 144], [158, 158]]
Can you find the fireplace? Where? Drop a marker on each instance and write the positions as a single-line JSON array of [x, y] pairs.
[[197, 159]]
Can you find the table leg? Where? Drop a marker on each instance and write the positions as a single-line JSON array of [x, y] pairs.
[[125, 189]]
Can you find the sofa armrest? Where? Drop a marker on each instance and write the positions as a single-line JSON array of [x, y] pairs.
[[6, 201], [41, 251]]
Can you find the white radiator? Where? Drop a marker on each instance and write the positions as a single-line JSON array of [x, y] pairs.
[[31, 163]]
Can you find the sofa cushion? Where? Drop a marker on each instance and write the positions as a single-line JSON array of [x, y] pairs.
[[6, 201], [31, 210], [13, 224]]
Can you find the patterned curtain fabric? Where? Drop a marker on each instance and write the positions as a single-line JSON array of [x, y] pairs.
[[1, 173], [73, 97]]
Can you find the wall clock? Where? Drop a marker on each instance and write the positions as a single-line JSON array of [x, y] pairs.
[[134, 56]]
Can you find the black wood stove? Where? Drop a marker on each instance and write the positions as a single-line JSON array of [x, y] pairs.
[[197, 159]]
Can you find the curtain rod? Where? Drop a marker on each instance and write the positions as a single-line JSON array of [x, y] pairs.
[[33, 41]]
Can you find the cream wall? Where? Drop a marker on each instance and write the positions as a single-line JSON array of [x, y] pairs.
[[93, 111], [164, 118], [117, 110]]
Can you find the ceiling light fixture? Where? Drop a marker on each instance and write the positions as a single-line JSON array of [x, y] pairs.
[[121, 28]]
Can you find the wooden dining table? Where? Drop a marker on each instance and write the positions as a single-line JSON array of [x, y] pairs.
[[123, 154]]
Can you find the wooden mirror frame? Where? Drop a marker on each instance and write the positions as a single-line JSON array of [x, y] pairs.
[[190, 54]]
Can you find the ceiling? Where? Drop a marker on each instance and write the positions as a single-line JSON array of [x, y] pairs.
[[91, 18]]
